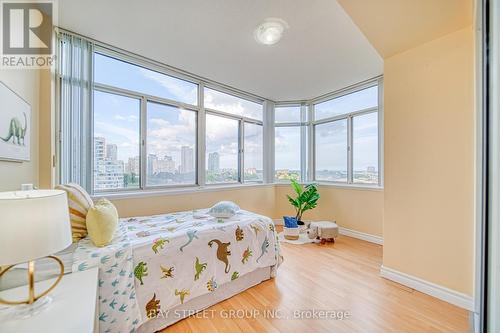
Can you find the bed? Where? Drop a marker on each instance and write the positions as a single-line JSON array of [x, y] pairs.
[[161, 269]]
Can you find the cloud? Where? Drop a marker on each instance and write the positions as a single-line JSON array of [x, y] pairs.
[[159, 122], [166, 137], [216, 100], [130, 118], [124, 133], [182, 90]]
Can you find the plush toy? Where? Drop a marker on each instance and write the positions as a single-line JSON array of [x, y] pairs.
[[324, 231]]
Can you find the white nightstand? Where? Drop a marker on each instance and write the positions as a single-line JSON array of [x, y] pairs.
[[73, 307]]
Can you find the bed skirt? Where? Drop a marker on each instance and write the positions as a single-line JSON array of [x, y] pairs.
[[203, 302]]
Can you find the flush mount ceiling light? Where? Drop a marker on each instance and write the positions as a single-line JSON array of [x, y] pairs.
[[270, 32]]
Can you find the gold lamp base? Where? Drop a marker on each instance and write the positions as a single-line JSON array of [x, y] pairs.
[[32, 298]]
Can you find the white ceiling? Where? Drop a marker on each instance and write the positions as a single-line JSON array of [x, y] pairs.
[[322, 51]]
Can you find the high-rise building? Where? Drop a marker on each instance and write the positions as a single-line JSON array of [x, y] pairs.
[[132, 166], [187, 159], [99, 149], [213, 162], [167, 164], [112, 152], [152, 164], [108, 172]]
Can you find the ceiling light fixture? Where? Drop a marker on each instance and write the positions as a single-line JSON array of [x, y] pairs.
[[271, 31]]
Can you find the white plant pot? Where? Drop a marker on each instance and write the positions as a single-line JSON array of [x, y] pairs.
[[291, 233]]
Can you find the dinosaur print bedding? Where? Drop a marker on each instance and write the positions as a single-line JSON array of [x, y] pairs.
[[155, 263]]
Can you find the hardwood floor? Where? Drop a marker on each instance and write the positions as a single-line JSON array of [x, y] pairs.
[[335, 277]]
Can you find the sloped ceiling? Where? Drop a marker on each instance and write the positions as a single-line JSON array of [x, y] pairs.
[[322, 51], [393, 26]]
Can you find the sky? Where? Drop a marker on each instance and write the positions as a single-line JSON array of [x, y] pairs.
[[356, 101], [169, 128]]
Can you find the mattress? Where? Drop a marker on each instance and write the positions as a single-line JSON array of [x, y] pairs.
[[203, 302], [157, 263]]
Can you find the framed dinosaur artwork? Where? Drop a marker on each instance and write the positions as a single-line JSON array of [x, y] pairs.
[[15, 126]]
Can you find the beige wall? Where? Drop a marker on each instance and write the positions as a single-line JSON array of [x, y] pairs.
[[258, 199], [46, 172], [429, 161], [358, 209], [26, 84]]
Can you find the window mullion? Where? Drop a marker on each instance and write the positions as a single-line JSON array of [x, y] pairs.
[[380, 123], [143, 143], [310, 144], [303, 145], [241, 150], [201, 139], [268, 143], [349, 150]]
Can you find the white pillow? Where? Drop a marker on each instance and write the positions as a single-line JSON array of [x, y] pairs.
[[224, 209]]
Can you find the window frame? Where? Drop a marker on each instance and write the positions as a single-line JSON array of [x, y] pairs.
[[241, 135], [349, 117], [144, 155], [91, 141], [304, 131], [199, 109]]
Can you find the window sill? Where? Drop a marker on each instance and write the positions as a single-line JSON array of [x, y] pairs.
[[362, 187], [122, 195], [175, 191]]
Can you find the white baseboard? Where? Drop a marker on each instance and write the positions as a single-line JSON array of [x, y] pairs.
[[350, 233], [429, 288], [361, 235]]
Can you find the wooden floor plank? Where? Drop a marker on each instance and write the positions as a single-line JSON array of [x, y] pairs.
[[340, 276]]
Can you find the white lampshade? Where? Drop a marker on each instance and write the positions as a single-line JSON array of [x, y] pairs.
[[33, 224]]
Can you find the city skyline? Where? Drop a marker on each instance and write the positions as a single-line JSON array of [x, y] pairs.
[[112, 173]]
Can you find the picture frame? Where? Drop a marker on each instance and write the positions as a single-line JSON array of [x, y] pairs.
[[15, 126]]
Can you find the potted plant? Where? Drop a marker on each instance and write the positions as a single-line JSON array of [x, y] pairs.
[[307, 198]]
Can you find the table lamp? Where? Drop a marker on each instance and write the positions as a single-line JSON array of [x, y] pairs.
[[33, 224]]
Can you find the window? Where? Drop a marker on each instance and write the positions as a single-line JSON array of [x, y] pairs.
[[290, 142], [234, 139], [171, 145], [359, 100], [128, 124], [220, 101], [287, 114], [331, 151], [365, 148], [146, 131], [253, 152], [287, 153], [222, 152], [144, 135], [116, 141], [346, 138], [116, 73]]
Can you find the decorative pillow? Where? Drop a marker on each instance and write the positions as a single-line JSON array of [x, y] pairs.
[[224, 209], [102, 220], [79, 202]]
